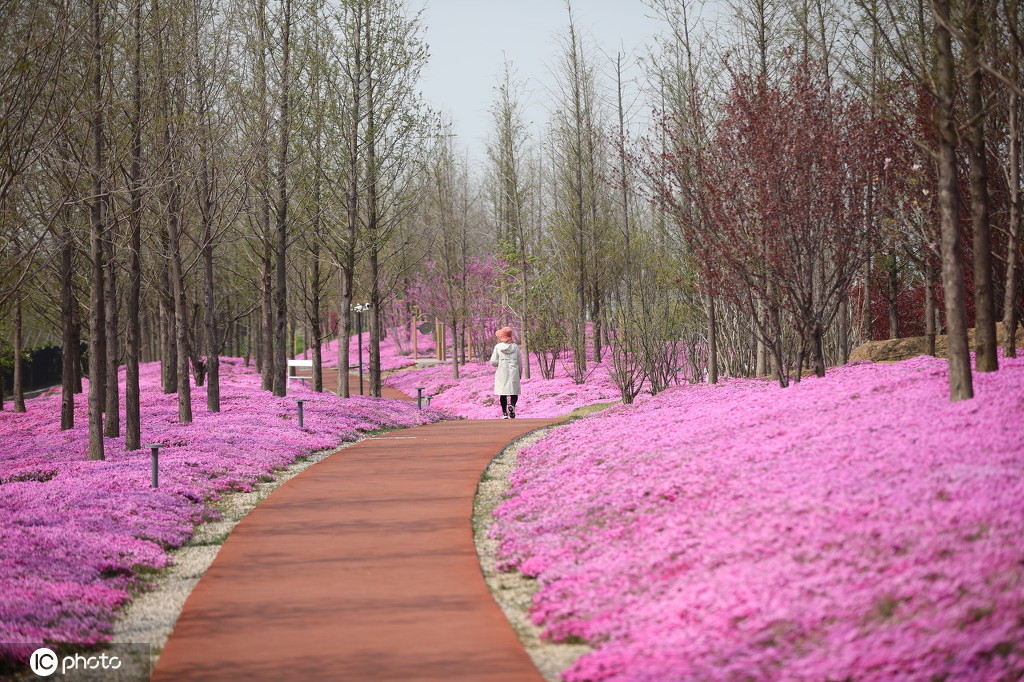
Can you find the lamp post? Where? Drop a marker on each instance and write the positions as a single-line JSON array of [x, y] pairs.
[[300, 401], [359, 308]]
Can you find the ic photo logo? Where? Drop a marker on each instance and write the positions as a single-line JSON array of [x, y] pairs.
[[43, 662]]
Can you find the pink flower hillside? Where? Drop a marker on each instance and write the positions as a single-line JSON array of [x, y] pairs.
[[392, 356], [75, 533], [472, 395], [858, 527]]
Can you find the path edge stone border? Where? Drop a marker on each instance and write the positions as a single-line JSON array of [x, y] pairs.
[[153, 612], [513, 591]]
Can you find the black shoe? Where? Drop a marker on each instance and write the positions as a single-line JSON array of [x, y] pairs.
[[511, 413]]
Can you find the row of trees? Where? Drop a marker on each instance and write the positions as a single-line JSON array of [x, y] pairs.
[[183, 174], [796, 182], [195, 177]]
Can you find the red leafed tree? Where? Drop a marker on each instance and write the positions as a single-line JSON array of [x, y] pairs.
[[777, 204]]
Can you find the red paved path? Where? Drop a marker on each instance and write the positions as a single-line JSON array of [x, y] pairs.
[[360, 568]]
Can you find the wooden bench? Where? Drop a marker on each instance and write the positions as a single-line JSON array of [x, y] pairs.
[[299, 364]]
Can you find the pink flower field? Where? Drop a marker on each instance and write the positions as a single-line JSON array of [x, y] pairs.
[[856, 527], [472, 395], [392, 356], [75, 535]]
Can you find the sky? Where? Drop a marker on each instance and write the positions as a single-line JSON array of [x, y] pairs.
[[470, 40]]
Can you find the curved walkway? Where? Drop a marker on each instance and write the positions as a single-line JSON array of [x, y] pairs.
[[360, 568]]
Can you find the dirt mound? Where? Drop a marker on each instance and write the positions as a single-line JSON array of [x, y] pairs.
[[894, 350]]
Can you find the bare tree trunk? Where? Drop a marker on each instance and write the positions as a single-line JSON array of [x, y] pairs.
[[112, 427], [180, 313], [19, 364], [372, 211], [761, 357], [69, 355], [168, 347], [347, 274], [892, 297], [132, 411], [281, 285], [869, 320], [76, 348], [265, 347], [929, 304], [212, 335], [315, 322], [343, 388], [1013, 243], [95, 243], [985, 341], [375, 320], [578, 209], [844, 330], [712, 341], [168, 358], [455, 351], [960, 382], [818, 348], [178, 326], [293, 337], [101, 349], [215, 340]]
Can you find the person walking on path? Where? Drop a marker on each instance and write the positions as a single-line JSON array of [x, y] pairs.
[[506, 358]]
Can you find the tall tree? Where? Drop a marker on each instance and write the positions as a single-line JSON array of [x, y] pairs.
[[1010, 319], [398, 126], [96, 233], [509, 195], [984, 300], [281, 243], [133, 341], [578, 229], [960, 383]]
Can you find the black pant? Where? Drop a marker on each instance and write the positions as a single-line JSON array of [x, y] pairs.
[[504, 402]]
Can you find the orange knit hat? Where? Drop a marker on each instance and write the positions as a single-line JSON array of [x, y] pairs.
[[504, 334]]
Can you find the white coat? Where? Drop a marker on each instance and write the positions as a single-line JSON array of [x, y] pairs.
[[506, 358]]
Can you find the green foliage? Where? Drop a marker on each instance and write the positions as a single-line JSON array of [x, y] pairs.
[[548, 333]]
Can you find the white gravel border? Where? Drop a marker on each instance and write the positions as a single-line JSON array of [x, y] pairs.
[[513, 591], [151, 614]]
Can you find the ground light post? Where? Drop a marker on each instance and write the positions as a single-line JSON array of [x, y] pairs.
[[359, 308], [154, 480]]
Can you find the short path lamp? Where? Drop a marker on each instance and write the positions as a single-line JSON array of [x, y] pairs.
[[419, 397], [155, 463], [300, 401]]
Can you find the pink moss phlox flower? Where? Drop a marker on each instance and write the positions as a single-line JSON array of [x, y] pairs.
[[395, 352], [472, 395], [859, 526], [74, 533]]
